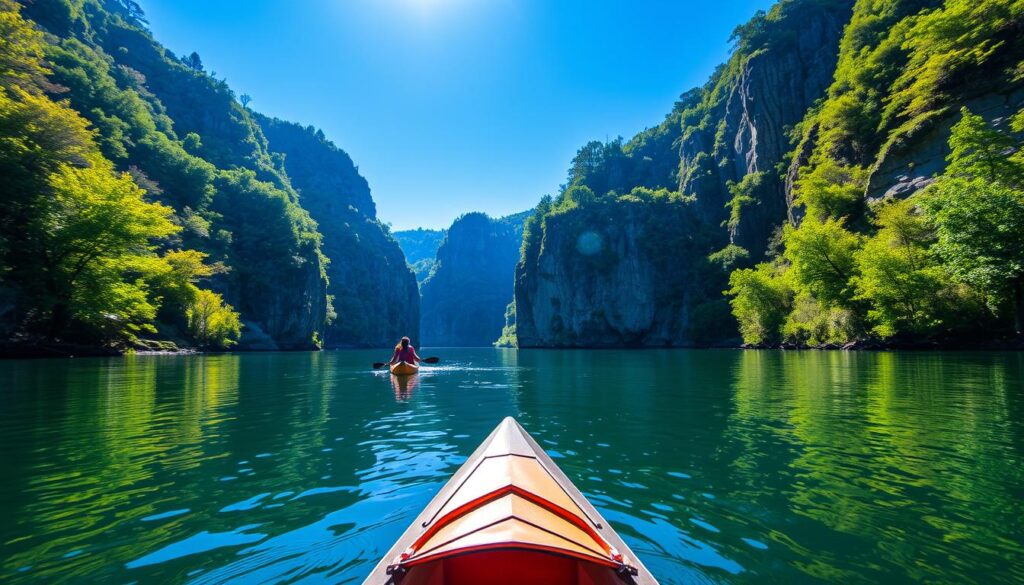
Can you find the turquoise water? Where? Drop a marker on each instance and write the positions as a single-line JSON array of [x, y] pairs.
[[715, 466]]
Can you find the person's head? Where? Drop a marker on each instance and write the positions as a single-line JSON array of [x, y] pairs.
[[405, 342]]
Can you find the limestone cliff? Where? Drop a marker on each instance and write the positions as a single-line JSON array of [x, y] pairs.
[[465, 297], [723, 147], [739, 129], [614, 273]]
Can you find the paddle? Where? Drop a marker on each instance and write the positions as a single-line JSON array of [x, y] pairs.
[[429, 360]]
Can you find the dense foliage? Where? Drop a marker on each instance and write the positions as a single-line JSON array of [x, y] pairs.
[[943, 263], [948, 261], [81, 243], [96, 113]]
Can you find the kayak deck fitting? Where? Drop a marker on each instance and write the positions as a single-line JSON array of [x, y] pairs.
[[404, 369], [510, 516]]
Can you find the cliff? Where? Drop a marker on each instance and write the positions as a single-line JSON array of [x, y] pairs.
[[374, 293], [465, 297], [614, 272], [735, 136], [827, 109], [720, 147]]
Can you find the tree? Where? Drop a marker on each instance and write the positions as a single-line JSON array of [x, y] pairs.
[[978, 208], [980, 151], [981, 239], [822, 254], [761, 299], [898, 275], [97, 236], [245, 99], [193, 61], [21, 50], [211, 322]]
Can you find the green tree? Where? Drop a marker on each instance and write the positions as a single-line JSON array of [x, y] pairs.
[[978, 210], [761, 299], [21, 50], [898, 275], [823, 258], [96, 234], [211, 322]]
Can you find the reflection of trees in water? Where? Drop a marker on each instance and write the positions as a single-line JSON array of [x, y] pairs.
[[124, 428], [898, 460]]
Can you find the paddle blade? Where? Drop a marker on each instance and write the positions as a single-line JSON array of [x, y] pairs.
[[431, 360], [379, 365]]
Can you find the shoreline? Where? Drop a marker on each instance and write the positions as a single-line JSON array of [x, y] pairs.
[[16, 351]]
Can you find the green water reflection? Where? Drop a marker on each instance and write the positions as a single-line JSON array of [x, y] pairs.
[[716, 466]]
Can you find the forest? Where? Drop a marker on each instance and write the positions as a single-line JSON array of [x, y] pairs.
[[147, 207]]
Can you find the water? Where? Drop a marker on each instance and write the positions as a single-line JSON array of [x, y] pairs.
[[715, 466]]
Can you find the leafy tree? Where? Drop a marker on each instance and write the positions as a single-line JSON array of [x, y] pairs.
[[761, 299], [193, 61], [245, 99], [823, 258], [211, 322], [831, 190], [95, 235], [21, 50], [978, 208], [979, 151], [898, 275]]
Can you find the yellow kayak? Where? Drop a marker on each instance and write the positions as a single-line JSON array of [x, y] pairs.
[[404, 369]]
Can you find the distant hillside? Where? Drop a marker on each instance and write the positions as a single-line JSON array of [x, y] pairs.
[[420, 247]]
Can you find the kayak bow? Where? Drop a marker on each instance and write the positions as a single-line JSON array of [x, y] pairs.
[[510, 516], [404, 369]]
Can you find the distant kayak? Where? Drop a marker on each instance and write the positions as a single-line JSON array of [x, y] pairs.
[[404, 369], [510, 516]]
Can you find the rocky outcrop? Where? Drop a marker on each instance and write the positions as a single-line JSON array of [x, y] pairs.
[[651, 283], [465, 297], [911, 163], [614, 273], [748, 111]]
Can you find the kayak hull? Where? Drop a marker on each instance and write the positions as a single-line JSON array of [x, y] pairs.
[[404, 369], [510, 516]]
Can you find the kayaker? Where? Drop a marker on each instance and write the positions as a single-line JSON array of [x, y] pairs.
[[405, 352]]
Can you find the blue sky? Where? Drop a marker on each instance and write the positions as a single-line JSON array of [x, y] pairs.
[[449, 106]]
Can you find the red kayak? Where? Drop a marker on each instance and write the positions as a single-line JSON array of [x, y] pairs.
[[509, 516]]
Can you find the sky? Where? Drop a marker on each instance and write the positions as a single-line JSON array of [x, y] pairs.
[[451, 106]]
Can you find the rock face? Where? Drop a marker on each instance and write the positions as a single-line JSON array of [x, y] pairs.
[[374, 293], [604, 277], [744, 131], [910, 165], [465, 297]]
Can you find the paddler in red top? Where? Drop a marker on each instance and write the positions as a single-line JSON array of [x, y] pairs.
[[405, 352]]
